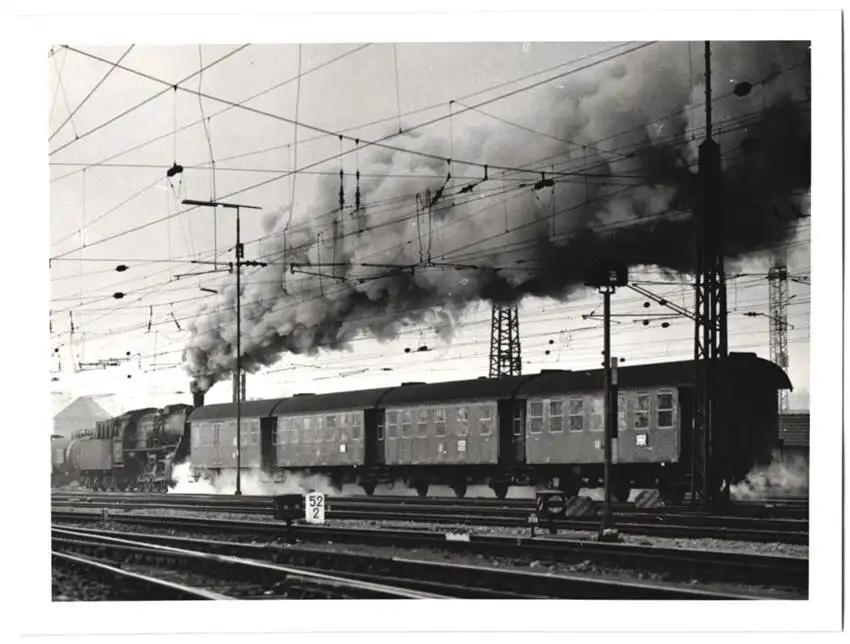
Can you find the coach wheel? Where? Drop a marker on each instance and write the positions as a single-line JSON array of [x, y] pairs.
[[336, 481], [500, 488], [422, 488], [459, 488], [368, 487]]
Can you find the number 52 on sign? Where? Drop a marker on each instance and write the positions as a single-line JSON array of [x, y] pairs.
[[314, 508]]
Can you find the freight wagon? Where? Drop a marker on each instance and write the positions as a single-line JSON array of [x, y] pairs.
[[540, 429]]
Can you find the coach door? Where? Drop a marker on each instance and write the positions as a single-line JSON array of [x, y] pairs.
[[518, 430], [511, 431], [268, 448], [374, 433]]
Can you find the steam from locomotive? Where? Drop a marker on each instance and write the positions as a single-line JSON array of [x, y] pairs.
[[628, 130]]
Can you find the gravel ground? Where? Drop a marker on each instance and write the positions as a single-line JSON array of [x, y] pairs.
[[71, 585], [583, 568], [751, 547]]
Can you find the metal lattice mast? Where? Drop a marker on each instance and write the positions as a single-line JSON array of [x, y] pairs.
[[505, 356], [778, 311], [710, 334]]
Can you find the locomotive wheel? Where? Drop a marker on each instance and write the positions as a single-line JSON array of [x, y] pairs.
[[500, 488], [459, 488], [422, 488], [368, 487]]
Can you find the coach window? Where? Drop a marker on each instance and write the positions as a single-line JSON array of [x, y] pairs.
[[294, 431], [517, 420], [535, 417], [255, 432], [597, 413], [407, 423], [196, 439], [392, 424], [576, 414], [331, 429], [556, 416], [422, 422], [357, 427], [440, 421], [462, 425], [622, 410], [642, 411], [665, 409], [485, 419]]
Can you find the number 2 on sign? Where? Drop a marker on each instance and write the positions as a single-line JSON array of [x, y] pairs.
[[315, 508]]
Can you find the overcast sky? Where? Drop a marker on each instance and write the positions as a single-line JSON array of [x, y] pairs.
[[101, 190]]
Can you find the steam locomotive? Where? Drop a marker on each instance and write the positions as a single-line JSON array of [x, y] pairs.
[[540, 429], [134, 451]]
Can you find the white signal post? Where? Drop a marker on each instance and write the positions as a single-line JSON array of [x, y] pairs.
[[314, 507]]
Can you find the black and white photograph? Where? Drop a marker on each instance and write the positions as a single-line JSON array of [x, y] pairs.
[[397, 318]]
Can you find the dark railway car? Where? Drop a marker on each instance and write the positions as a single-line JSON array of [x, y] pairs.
[[544, 428]]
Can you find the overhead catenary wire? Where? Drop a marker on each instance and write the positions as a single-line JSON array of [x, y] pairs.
[[381, 143], [360, 126], [158, 138], [130, 110], [321, 162], [89, 95], [609, 137], [452, 155]]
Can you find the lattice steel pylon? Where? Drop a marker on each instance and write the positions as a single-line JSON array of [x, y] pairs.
[[778, 310], [710, 330], [505, 355]]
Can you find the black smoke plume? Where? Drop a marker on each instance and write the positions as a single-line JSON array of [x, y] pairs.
[[620, 149]]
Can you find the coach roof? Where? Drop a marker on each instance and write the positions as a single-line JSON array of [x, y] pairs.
[[309, 404], [745, 368], [226, 411], [478, 389], [738, 367]]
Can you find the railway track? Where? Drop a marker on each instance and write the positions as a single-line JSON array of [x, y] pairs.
[[789, 573], [671, 523], [200, 574], [417, 578]]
